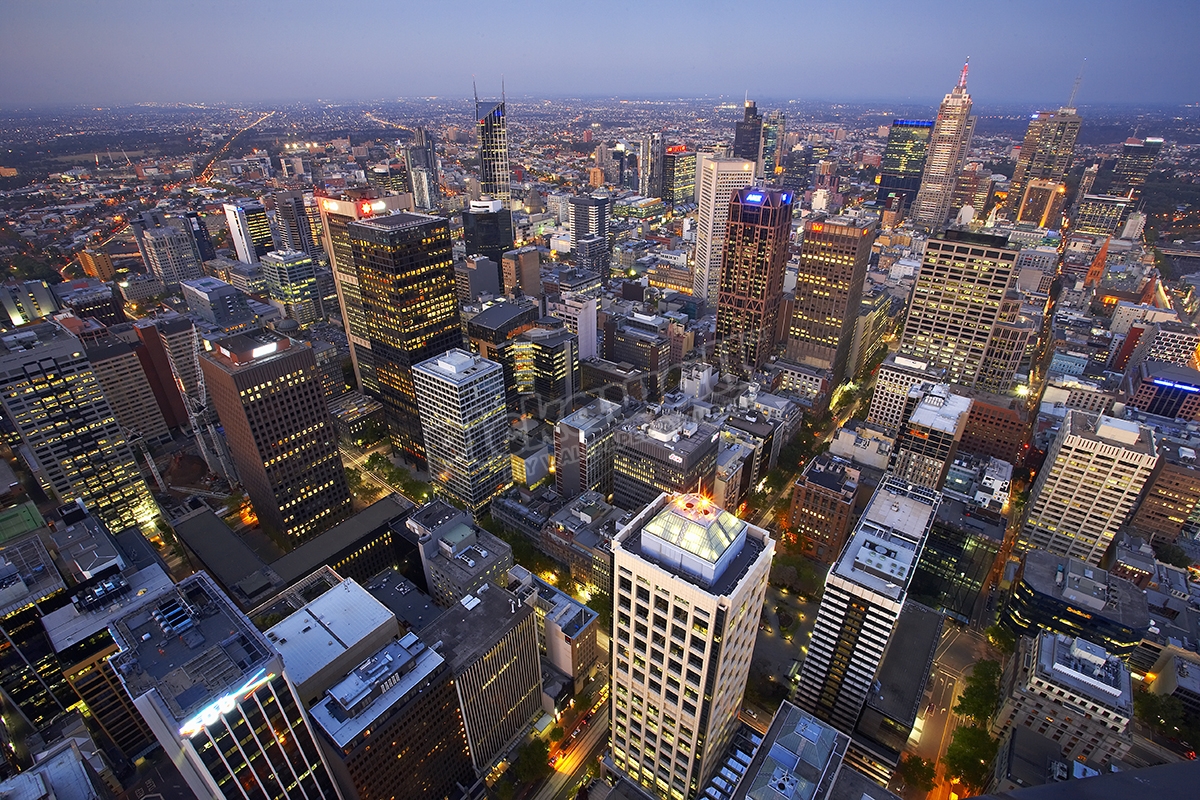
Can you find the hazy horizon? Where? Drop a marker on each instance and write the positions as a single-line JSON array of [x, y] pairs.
[[59, 54]]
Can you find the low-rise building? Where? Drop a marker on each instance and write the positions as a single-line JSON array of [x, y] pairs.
[[457, 556]]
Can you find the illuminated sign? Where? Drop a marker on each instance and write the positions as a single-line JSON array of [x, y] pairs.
[[1173, 385], [369, 207], [263, 350], [787, 198], [754, 198], [223, 705], [817, 227]]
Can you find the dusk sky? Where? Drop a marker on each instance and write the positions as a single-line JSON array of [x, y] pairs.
[[1022, 51]]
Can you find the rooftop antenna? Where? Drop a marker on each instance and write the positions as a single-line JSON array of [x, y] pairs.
[[475, 91], [1075, 88], [962, 79], [502, 99]]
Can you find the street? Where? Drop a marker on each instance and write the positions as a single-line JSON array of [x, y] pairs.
[[570, 769]]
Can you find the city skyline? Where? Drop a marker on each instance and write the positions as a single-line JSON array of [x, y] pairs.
[[938, 36]]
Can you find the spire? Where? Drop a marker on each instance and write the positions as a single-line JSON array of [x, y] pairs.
[[962, 79]]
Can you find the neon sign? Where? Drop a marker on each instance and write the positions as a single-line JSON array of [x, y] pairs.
[[223, 705]]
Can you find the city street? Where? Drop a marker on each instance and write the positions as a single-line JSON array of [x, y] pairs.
[[571, 768]]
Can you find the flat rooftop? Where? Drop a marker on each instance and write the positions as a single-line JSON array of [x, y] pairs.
[[398, 220], [33, 576], [407, 662], [403, 598], [1086, 587], [470, 627], [327, 627], [939, 408], [798, 759], [596, 415], [901, 509], [882, 552], [189, 645], [1086, 669], [308, 557], [904, 671], [953, 513], [1110, 430], [71, 624]]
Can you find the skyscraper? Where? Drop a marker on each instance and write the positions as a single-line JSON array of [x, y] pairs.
[[406, 282], [233, 729], [773, 134], [487, 228], [336, 215], [170, 256], [492, 129], [1134, 165], [295, 233], [956, 312], [717, 182], [291, 278], [689, 581], [1046, 151], [948, 145], [864, 593], [465, 424], [829, 279], [588, 216], [751, 288], [249, 229], [903, 161], [934, 421], [73, 442], [748, 138], [679, 175], [1094, 472], [269, 398], [97, 264], [650, 166], [583, 449]]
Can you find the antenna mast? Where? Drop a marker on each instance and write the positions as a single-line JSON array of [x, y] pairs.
[[1075, 88]]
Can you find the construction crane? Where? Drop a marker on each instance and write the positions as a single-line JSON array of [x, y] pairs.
[[197, 408]]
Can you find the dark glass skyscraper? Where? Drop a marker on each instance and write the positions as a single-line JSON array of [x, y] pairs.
[[752, 266], [406, 283], [492, 128], [1134, 165], [773, 130], [488, 229], [748, 137], [904, 160], [1046, 151]]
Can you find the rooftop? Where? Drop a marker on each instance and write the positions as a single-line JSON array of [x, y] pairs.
[[1085, 587], [75, 622], [906, 666], [312, 554], [882, 552], [939, 408], [374, 686], [1086, 669], [457, 366], [327, 627], [398, 220], [833, 474], [188, 645], [798, 759], [1110, 430], [28, 574], [470, 628]]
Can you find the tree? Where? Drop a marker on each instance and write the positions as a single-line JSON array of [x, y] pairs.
[[970, 755], [556, 733], [532, 762], [505, 790], [978, 700], [1163, 712], [917, 773], [1173, 554], [1002, 640]]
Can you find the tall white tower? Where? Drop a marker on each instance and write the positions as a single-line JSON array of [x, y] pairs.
[[716, 183], [689, 580], [948, 146]]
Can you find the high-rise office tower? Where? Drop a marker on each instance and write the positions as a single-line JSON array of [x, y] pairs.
[[462, 413], [1134, 165], [689, 580], [717, 182], [751, 287], [74, 444], [521, 271], [1095, 470], [592, 253], [426, 191], [170, 255], [829, 279], [269, 398], [864, 593], [1042, 203], [588, 216], [97, 264], [651, 159], [492, 129], [295, 233], [487, 229], [249, 229], [774, 129], [748, 138], [662, 453], [948, 146], [204, 246], [584, 446], [957, 304], [903, 161], [214, 693], [291, 278], [406, 284], [1046, 151], [336, 215], [127, 389], [219, 303], [934, 421], [546, 367], [579, 312], [679, 175]]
